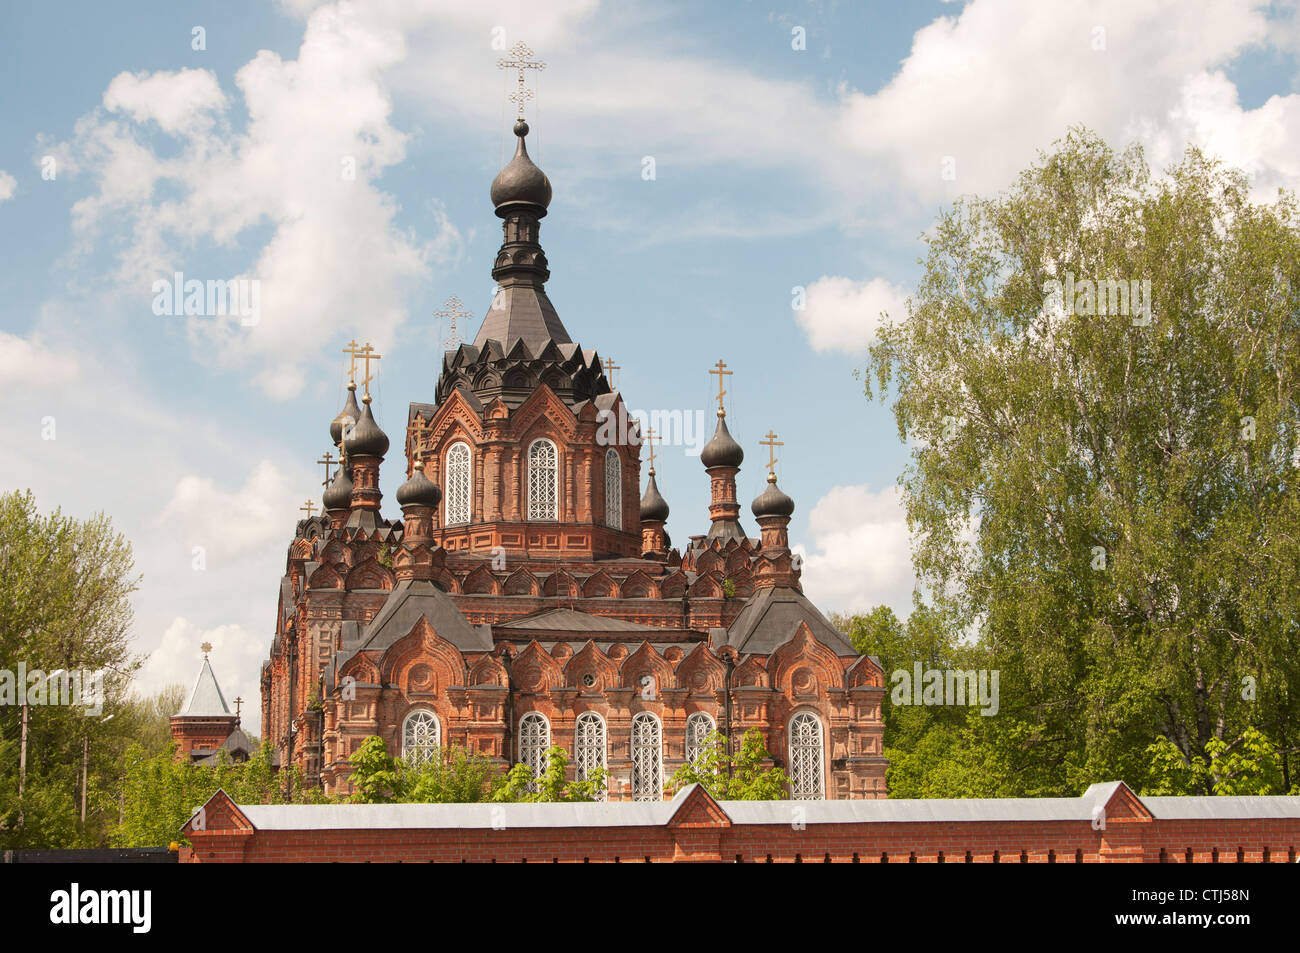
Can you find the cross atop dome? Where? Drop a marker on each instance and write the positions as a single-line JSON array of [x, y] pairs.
[[520, 53]]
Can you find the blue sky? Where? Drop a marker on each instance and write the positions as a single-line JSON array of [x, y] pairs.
[[775, 168]]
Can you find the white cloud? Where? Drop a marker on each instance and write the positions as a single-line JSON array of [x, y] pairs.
[[179, 102], [26, 361], [859, 554], [334, 253], [842, 314], [1001, 80], [229, 524], [8, 186]]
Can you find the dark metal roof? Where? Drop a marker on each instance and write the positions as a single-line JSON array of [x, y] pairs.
[[521, 181], [571, 620], [653, 505], [771, 616], [366, 439], [772, 502], [722, 450], [412, 600]]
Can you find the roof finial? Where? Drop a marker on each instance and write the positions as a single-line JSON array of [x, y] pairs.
[[722, 374], [771, 443], [452, 309], [610, 368], [650, 439], [520, 53], [206, 647], [367, 354]]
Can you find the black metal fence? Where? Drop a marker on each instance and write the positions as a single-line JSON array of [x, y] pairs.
[[106, 855]]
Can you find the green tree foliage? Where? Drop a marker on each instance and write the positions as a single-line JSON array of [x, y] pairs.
[[65, 588], [456, 776], [1110, 503], [736, 776], [552, 785], [160, 793]]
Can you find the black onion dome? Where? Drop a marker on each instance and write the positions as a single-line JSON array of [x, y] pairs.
[[367, 439], [772, 502], [722, 450], [653, 505], [419, 490], [338, 495], [350, 413], [521, 180]]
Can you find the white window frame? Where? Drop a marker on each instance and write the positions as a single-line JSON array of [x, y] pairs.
[[543, 509], [458, 477], [695, 743], [414, 752], [532, 751], [807, 758], [590, 745], [647, 757]]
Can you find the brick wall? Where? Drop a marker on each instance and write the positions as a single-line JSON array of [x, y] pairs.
[[696, 828]]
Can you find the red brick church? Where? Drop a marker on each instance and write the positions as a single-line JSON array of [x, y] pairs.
[[529, 594]]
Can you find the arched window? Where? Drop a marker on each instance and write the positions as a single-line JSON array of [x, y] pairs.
[[543, 481], [806, 780], [589, 744], [420, 737], [457, 480], [534, 739], [698, 728], [613, 489], [647, 758]]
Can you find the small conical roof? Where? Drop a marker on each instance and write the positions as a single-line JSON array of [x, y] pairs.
[[206, 700]]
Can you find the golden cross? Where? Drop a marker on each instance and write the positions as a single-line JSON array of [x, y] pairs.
[[453, 308], [206, 647], [771, 443], [650, 439], [521, 62], [419, 428], [722, 375], [308, 507], [328, 461], [239, 702], [368, 354], [353, 351], [610, 368]]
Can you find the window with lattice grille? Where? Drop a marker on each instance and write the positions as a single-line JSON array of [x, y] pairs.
[[613, 489], [647, 758], [698, 728], [806, 750], [420, 737], [457, 481], [543, 481], [589, 745], [534, 739]]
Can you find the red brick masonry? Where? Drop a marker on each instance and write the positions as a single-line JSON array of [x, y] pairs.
[[1108, 824]]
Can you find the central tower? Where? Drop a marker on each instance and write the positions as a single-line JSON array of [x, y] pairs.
[[514, 436]]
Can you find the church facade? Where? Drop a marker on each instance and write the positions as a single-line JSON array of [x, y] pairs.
[[529, 594]]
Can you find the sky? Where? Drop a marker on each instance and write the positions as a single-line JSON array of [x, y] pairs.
[[713, 166]]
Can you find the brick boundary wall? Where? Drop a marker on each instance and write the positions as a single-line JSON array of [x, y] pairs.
[[1108, 824]]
